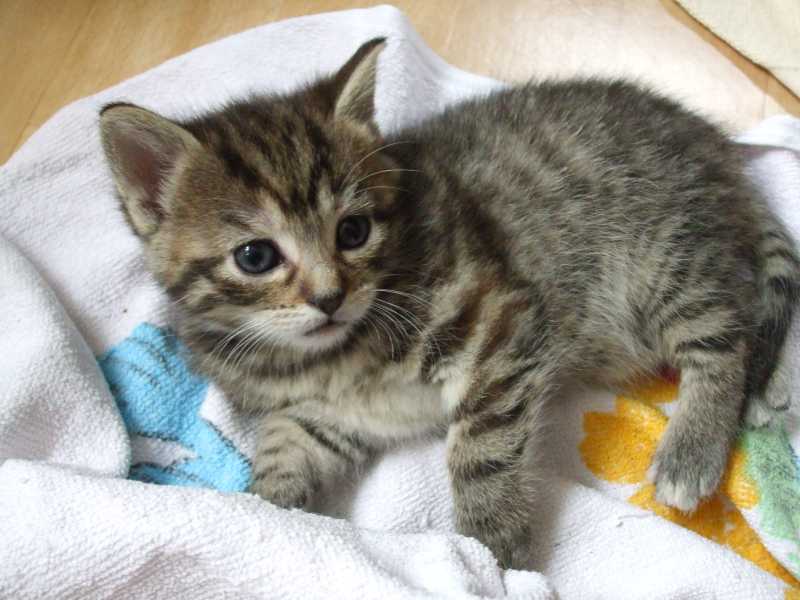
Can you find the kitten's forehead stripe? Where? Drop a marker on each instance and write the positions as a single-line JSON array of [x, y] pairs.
[[293, 149], [313, 185], [235, 164], [306, 200], [229, 137], [253, 125], [297, 205]]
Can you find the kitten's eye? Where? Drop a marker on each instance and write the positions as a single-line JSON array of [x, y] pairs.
[[352, 232], [258, 256]]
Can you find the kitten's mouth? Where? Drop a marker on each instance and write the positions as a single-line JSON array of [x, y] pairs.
[[327, 328]]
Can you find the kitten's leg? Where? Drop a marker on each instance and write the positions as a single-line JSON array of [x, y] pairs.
[[767, 407], [489, 447], [692, 456], [297, 454]]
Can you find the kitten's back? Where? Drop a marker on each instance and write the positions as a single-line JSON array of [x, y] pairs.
[[628, 211]]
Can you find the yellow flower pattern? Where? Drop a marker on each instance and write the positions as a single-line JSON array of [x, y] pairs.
[[618, 447]]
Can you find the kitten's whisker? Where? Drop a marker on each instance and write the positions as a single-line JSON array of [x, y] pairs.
[[420, 327], [399, 313], [406, 294], [233, 333], [422, 275], [407, 316], [391, 324], [254, 331], [399, 308], [386, 171], [180, 300], [220, 345], [416, 323], [237, 352], [355, 166], [415, 297], [374, 324], [245, 352], [380, 187]]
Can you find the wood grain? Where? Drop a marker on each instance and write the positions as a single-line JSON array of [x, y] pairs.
[[56, 51]]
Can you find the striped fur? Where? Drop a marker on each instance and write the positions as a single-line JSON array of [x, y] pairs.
[[547, 232]]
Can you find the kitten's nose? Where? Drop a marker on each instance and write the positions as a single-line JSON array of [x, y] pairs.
[[328, 303]]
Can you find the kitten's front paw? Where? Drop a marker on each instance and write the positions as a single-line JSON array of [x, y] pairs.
[[686, 472], [284, 489]]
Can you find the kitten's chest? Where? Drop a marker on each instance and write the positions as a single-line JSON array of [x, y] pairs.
[[390, 408], [387, 403]]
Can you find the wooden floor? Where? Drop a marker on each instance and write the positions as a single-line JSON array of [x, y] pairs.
[[55, 51]]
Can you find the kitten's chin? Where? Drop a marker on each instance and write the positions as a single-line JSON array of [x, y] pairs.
[[323, 337]]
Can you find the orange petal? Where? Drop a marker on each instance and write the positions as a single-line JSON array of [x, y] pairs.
[[708, 520], [618, 446]]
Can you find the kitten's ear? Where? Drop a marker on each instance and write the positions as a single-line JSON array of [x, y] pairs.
[[144, 151], [354, 84]]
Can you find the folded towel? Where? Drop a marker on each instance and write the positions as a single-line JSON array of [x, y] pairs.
[[45, 368], [74, 288]]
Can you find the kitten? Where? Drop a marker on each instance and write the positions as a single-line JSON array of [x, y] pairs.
[[358, 290]]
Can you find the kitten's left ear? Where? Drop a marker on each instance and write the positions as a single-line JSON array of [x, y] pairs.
[[144, 150], [354, 84]]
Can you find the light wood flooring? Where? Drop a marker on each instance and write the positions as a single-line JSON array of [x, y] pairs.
[[55, 51]]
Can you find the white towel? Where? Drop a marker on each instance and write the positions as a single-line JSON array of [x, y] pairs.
[[72, 527], [46, 368]]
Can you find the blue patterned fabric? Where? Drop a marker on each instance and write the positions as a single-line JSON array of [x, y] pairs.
[[160, 398]]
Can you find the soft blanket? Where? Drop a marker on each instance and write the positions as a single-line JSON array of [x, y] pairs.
[[97, 403]]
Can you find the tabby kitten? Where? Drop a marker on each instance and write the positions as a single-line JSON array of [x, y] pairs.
[[357, 290]]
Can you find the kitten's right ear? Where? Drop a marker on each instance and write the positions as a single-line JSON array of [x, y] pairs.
[[354, 83], [144, 151]]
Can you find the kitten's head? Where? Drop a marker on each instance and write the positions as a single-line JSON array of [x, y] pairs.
[[276, 216]]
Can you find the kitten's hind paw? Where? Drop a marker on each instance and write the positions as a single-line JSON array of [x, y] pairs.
[[769, 407], [761, 413]]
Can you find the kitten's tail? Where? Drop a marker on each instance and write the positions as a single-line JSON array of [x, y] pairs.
[[769, 384]]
